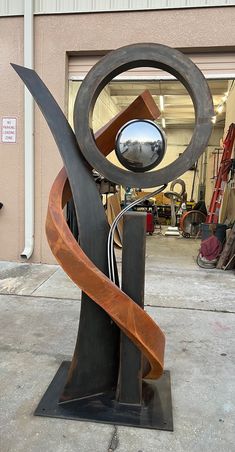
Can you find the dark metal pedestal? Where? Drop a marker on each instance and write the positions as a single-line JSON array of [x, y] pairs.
[[155, 411]]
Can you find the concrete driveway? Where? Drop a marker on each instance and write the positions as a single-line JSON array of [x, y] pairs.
[[39, 313]]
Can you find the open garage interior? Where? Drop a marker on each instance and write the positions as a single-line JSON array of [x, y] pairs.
[[176, 119]]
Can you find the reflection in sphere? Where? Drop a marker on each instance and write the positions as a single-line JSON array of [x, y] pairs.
[[140, 145]]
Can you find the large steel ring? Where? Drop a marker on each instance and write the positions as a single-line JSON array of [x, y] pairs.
[[123, 59]]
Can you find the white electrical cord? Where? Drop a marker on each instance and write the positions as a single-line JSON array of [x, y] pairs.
[[110, 247]]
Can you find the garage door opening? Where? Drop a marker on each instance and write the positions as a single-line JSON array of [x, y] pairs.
[[176, 118]]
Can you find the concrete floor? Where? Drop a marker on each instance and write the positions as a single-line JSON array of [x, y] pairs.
[[39, 309]]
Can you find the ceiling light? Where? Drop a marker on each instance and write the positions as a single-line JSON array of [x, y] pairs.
[[220, 108], [161, 98], [163, 123]]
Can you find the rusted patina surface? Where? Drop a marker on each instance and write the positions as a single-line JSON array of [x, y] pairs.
[[94, 366], [130, 318], [144, 107], [105, 308]]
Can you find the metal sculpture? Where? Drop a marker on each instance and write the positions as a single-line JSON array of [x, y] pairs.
[[93, 386]]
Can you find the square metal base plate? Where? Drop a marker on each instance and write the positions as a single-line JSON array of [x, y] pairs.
[[155, 411]]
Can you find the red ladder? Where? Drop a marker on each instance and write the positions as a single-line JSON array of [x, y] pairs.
[[222, 176]]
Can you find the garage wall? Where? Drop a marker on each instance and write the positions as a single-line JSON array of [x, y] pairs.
[[105, 109], [11, 155], [84, 33], [13, 7], [230, 107], [229, 118], [215, 140]]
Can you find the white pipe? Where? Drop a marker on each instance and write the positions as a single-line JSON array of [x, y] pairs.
[[28, 133]]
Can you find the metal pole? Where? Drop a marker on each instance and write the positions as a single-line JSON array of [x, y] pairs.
[[133, 271]]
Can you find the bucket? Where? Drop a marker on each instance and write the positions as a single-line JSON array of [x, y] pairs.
[[220, 231]]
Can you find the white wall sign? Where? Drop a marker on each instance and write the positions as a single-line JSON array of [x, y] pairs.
[[8, 130]]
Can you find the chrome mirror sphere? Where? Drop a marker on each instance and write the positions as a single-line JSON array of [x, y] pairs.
[[140, 145]]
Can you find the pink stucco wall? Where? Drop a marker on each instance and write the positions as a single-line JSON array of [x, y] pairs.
[[55, 37]]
